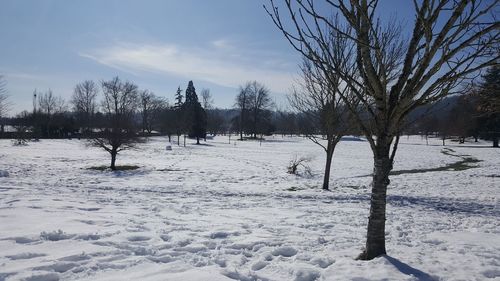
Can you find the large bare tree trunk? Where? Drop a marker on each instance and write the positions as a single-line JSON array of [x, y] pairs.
[[113, 160], [375, 237], [329, 156]]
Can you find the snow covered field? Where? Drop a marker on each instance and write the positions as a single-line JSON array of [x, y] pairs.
[[231, 212]]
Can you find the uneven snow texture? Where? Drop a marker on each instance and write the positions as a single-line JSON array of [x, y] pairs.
[[231, 212]]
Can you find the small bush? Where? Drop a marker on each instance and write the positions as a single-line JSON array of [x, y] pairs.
[[19, 142], [298, 166]]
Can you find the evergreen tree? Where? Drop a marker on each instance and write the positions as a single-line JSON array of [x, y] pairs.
[[178, 98], [489, 105], [195, 115], [178, 115]]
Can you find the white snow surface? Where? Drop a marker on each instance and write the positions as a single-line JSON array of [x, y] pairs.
[[231, 212]]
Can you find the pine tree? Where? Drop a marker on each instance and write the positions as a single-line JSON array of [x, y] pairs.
[[195, 115], [178, 98], [178, 115]]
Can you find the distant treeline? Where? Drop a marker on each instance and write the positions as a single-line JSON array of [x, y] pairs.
[[85, 117]]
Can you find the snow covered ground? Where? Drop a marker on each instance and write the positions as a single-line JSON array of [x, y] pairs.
[[231, 212]]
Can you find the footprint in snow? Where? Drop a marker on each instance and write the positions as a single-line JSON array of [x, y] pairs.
[[259, 265], [138, 238], [285, 251], [219, 235], [43, 277], [59, 267], [89, 209], [25, 256]]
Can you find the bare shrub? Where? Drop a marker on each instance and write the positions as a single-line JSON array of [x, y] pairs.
[[298, 166]]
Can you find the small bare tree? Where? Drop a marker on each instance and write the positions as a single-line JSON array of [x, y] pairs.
[[298, 166], [318, 100], [84, 103], [450, 41], [207, 101], [119, 106]]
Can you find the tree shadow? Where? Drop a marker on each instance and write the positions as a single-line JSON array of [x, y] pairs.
[[444, 204], [409, 270]]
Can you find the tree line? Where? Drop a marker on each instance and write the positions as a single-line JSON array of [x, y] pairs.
[[475, 114]]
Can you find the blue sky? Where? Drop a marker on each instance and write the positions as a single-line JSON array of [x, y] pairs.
[[158, 44]]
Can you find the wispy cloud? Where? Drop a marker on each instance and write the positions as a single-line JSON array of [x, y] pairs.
[[22, 75], [220, 62]]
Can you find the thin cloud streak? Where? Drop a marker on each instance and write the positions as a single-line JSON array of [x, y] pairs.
[[218, 64]]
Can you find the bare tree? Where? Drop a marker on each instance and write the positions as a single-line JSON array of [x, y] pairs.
[[252, 101], [84, 103], [119, 106], [151, 107], [48, 105], [449, 43], [318, 100], [243, 104], [207, 100], [260, 102], [4, 102]]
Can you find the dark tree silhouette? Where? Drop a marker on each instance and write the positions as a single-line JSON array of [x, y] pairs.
[[84, 103], [195, 116], [243, 104], [151, 107], [118, 106], [48, 106], [177, 116], [489, 105], [254, 104]]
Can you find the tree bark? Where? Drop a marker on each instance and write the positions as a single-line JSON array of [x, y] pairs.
[[495, 141], [329, 156], [375, 238], [241, 123], [113, 160]]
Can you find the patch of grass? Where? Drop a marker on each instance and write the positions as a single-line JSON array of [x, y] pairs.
[[355, 186], [171, 170], [118, 168], [462, 165]]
